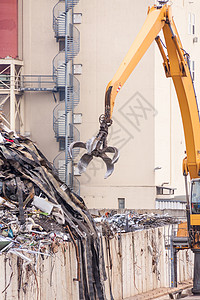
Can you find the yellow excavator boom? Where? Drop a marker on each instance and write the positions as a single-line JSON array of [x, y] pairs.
[[176, 65]]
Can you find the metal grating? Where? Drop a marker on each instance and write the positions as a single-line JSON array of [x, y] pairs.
[[73, 98], [38, 83], [73, 42], [73, 48]]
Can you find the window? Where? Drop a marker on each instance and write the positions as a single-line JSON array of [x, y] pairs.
[[191, 25], [195, 199], [121, 203], [192, 68], [62, 144], [161, 190], [77, 18], [62, 95], [62, 45]]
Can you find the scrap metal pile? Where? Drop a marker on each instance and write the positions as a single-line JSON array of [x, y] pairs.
[[37, 212], [132, 221]]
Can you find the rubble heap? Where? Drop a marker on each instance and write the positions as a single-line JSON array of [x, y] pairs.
[[37, 212], [113, 223]]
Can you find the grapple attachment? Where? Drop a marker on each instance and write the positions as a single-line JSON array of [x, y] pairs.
[[97, 146]]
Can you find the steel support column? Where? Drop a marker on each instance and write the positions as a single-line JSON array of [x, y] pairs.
[[12, 96], [66, 96], [196, 279]]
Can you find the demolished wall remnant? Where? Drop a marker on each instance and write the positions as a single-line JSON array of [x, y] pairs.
[[136, 262]]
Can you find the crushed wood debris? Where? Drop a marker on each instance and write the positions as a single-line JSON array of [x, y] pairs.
[[111, 224], [38, 212]]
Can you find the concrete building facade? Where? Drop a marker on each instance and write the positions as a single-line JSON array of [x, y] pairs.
[[147, 126]]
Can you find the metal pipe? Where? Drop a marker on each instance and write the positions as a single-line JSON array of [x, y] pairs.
[[172, 261], [196, 279], [180, 53], [12, 96], [66, 96], [72, 132], [166, 62], [158, 41], [186, 190]]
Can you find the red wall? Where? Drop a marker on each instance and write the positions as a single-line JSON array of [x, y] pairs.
[[8, 28]]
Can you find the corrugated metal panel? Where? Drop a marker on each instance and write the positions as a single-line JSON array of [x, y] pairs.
[[9, 28], [170, 204]]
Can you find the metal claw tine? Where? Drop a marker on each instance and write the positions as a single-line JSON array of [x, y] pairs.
[[115, 151], [109, 165], [91, 144], [75, 145], [109, 171], [83, 162]]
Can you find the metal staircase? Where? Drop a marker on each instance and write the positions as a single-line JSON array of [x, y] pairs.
[[59, 73], [59, 14], [59, 164], [68, 99], [59, 124]]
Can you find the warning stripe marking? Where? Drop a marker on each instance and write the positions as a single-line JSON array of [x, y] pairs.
[[119, 88]]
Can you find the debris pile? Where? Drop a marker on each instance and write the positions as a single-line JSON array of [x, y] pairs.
[[38, 211], [113, 223]]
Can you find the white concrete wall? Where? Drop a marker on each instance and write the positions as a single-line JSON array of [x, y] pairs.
[[107, 31], [51, 278], [38, 48], [138, 262]]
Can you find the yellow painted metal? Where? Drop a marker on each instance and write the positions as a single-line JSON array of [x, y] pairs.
[[187, 101], [194, 219], [165, 59], [182, 230]]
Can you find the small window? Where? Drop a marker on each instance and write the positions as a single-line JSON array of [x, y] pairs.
[[62, 45], [77, 18], [192, 68], [160, 190], [62, 95], [61, 144], [195, 199], [121, 203], [191, 23]]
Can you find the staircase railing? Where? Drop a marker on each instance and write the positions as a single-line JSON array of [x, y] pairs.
[[59, 17], [73, 47], [38, 83], [72, 101]]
